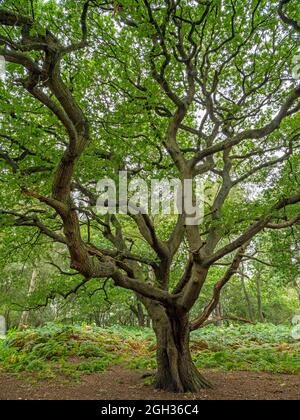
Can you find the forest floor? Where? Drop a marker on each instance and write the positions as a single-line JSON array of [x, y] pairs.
[[259, 362], [120, 383]]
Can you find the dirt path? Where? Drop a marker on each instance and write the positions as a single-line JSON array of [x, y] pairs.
[[119, 383]]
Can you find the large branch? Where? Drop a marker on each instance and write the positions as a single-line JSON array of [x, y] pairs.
[[218, 289], [252, 134], [72, 117], [8, 18], [33, 221], [144, 289], [225, 318], [264, 165], [284, 225], [84, 30], [253, 230], [147, 230]]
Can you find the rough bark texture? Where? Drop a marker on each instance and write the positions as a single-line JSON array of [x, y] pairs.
[[176, 371]]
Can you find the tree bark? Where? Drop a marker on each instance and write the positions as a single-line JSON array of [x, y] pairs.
[[176, 371]]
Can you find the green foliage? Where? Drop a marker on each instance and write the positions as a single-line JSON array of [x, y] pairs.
[[262, 347], [252, 359], [243, 336], [70, 351]]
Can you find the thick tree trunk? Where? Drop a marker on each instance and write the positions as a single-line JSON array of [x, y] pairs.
[[176, 371]]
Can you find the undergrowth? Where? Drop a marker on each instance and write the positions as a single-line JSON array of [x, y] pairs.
[[69, 351]]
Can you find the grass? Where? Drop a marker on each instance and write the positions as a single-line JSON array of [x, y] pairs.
[[69, 351]]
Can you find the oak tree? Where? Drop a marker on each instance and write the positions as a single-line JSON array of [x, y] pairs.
[[164, 88]]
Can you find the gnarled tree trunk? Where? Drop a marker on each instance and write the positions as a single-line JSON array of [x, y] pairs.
[[176, 371]]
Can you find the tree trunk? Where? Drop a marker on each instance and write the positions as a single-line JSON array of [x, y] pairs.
[[219, 313], [247, 297], [7, 317], [25, 314], [297, 288], [139, 313], [176, 371], [259, 298]]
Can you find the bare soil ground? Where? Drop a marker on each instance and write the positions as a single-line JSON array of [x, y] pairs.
[[120, 383]]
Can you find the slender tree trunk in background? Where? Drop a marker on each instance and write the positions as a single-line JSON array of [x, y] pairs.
[[148, 322], [7, 317], [219, 313], [138, 311], [247, 297], [127, 319], [176, 371], [97, 319], [259, 298], [297, 287], [141, 315], [32, 286]]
